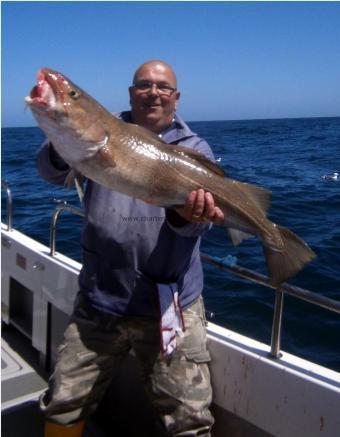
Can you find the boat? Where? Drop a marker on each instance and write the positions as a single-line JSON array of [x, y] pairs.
[[258, 389]]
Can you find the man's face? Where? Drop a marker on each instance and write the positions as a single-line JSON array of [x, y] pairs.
[[153, 97]]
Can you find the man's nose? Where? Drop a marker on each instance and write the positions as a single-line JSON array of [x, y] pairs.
[[153, 89]]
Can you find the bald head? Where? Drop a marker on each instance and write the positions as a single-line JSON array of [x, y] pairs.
[[157, 66], [154, 95]]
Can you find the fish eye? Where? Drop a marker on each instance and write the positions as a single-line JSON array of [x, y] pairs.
[[73, 94]]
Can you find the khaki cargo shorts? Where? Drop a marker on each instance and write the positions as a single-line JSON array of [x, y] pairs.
[[95, 344]]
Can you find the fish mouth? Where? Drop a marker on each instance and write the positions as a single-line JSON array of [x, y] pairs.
[[44, 94]]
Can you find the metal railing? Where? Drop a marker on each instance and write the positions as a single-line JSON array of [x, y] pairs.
[[9, 204], [300, 293], [62, 206]]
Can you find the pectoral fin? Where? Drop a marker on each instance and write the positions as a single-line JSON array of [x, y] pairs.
[[106, 156], [77, 179]]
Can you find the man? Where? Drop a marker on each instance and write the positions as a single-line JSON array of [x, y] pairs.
[[135, 256]]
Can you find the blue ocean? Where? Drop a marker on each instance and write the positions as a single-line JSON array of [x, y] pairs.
[[287, 156]]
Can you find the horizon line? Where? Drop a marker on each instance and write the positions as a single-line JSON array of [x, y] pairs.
[[218, 120]]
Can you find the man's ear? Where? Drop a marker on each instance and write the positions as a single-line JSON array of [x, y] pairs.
[[178, 95], [130, 93]]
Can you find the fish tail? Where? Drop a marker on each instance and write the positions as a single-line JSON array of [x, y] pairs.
[[285, 263]]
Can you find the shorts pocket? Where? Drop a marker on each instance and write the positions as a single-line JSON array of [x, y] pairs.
[[194, 342], [199, 356]]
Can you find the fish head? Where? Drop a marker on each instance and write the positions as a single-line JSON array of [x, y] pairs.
[[71, 119]]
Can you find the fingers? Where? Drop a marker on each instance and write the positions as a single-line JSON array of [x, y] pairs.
[[209, 207], [218, 217], [187, 210], [194, 206], [200, 207], [203, 208]]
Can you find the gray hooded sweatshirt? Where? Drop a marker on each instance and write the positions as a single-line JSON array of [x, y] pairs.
[[129, 246]]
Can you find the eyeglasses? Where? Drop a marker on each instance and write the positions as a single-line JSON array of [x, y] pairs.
[[162, 88]]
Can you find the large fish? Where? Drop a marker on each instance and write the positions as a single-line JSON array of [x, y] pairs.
[[130, 159]]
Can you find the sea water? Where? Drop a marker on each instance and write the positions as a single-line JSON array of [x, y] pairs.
[[287, 156]]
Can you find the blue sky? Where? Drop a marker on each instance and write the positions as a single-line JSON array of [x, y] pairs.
[[234, 60]]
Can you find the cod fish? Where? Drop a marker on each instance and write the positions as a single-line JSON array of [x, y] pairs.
[[132, 160]]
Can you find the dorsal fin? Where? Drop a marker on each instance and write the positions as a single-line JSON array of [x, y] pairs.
[[261, 196], [203, 160]]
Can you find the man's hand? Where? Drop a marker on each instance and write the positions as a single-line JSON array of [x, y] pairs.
[[200, 207]]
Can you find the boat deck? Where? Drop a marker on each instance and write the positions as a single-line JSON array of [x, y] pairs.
[[21, 416]]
